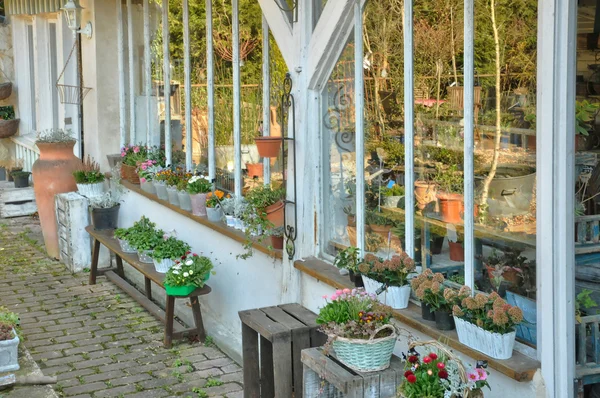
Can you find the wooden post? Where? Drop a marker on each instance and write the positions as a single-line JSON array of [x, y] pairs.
[[132, 113]]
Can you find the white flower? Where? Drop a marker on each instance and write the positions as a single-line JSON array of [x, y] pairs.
[[185, 274], [178, 266], [191, 272], [176, 272], [189, 262]]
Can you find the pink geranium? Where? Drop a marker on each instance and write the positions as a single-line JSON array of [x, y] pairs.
[[142, 180], [136, 149], [481, 373]]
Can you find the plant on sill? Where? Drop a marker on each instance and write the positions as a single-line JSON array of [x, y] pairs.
[[199, 185], [215, 199], [110, 198], [429, 289], [169, 247], [7, 113], [256, 224], [392, 272], [583, 301], [132, 155], [228, 205], [263, 196], [147, 170], [89, 173], [55, 136], [375, 218], [348, 259]]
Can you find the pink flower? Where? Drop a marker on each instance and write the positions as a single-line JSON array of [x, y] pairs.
[[481, 373], [142, 179], [338, 292], [325, 296], [473, 376], [144, 167], [347, 291], [441, 365], [123, 154], [136, 149], [333, 297], [426, 360]]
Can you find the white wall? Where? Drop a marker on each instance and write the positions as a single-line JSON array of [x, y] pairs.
[[238, 284]]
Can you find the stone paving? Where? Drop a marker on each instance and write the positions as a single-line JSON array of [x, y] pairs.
[[96, 339]]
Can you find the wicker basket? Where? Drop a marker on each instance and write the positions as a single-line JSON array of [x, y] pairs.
[[5, 90], [366, 355], [452, 357], [8, 128], [128, 173]]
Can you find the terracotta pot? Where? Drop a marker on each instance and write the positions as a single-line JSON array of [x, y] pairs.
[[275, 213], [255, 169], [351, 235], [511, 276], [277, 242], [53, 174], [381, 230], [457, 252], [424, 193], [128, 173], [352, 221], [451, 207], [268, 147]]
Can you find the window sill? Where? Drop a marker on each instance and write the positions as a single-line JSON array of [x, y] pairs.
[[217, 227], [519, 367]]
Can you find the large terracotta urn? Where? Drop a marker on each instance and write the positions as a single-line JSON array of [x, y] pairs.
[[53, 174]]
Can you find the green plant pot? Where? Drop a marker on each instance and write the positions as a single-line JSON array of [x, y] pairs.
[[179, 290]]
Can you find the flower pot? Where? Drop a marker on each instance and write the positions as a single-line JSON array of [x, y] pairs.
[[144, 256], [444, 320], [437, 242], [426, 312], [9, 355], [381, 230], [451, 207], [148, 186], [8, 128], [198, 202], [173, 196], [53, 174], [511, 276], [255, 170], [161, 190], [238, 224], [179, 290], [185, 202], [230, 221], [275, 213], [365, 355], [268, 147], [392, 201], [91, 190], [495, 345], [352, 221], [129, 173], [457, 252], [371, 287], [424, 193], [21, 181], [5, 90], [162, 266], [277, 242], [10, 171], [397, 296], [126, 247], [214, 215], [105, 218]]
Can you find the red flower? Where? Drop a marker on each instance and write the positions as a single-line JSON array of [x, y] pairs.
[[188, 252], [443, 374], [408, 373], [183, 257], [413, 359], [441, 365], [411, 379], [195, 255], [427, 360], [433, 356]]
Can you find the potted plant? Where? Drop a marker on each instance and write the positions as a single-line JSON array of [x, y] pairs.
[[585, 116], [144, 241], [255, 170], [228, 206], [421, 285], [123, 235], [189, 272], [276, 235], [213, 205], [425, 192], [450, 194], [172, 186], [198, 187], [436, 298], [14, 165], [439, 373], [9, 340], [359, 329], [269, 202], [457, 251], [393, 195], [166, 251], [268, 147], [146, 171], [21, 178], [486, 323], [89, 179], [508, 267], [160, 183], [8, 123], [105, 208], [131, 157], [185, 203], [5, 90], [380, 224], [240, 206], [392, 274], [53, 174], [349, 259]]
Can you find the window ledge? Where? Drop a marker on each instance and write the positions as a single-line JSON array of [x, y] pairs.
[[519, 367], [217, 227]]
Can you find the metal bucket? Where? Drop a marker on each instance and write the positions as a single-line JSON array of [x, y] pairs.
[[511, 190]]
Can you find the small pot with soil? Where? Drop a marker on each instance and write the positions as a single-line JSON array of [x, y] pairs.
[[21, 178], [444, 320]]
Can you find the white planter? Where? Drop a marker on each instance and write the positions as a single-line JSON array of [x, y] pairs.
[[184, 200], [161, 190], [230, 220], [214, 215], [371, 287], [495, 345], [91, 190], [172, 193], [126, 247], [163, 265], [397, 297], [148, 186], [238, 224], [9, 355], [144, 256], [392, 201]]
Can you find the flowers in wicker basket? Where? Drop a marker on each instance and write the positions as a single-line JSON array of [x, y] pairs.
[[131, 155], [147, 170]]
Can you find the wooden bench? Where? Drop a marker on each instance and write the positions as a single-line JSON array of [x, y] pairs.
[[106, 238], [326, 377], [284, 330]]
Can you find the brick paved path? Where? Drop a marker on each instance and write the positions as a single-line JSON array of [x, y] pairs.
[[96, 339]]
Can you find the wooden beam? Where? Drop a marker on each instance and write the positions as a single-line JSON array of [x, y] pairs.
[[148, 73], [266, 69], [281, 28], [132, 114], [210, 91], [167, 79], [121, 66]]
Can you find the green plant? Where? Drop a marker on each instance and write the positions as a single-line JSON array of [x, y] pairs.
[[450, 180], [20, 174], [393, 151], [89, 173], [146, 239], [395, 190], [212, 383], [7, 113], [169, 248], [264, 196], [375, 218], [348, 259], [124, 233], [256, 225], [55, 136], [583, 301], [10, 320], [131, 155], [190, 270], [277, 232], [199, 184], [200, 392], [392, 272], [585, 113]]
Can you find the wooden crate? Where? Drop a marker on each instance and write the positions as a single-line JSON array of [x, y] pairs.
[[16, 202], [326, 377]]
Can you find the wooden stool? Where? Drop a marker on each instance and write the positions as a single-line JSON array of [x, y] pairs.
[[326, 377], [284, 332]]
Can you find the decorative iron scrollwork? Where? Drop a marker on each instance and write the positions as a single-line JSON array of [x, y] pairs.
[[345, 140], [287, 104]]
